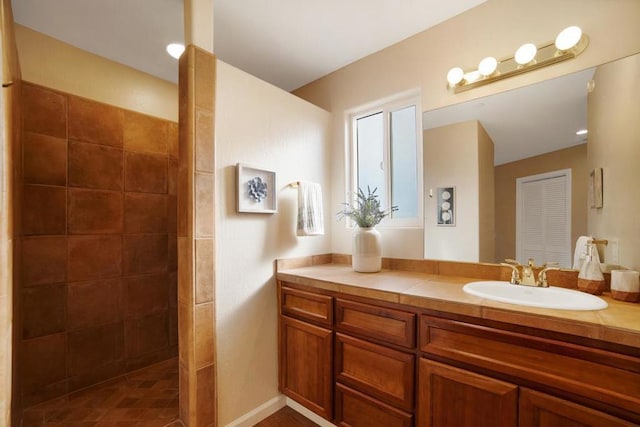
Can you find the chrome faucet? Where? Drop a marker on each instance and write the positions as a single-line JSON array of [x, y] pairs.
[[528, 275]]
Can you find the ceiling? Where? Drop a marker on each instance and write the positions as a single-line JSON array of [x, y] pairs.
[[285, 42], [528, 121]]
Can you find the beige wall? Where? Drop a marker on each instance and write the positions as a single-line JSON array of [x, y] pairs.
[[57, 65], [265, 127], [614, 129], [486, 190], [496, 27], [452, 157], [574, 158]]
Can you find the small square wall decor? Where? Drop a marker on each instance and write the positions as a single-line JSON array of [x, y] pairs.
[[256, 190], [446, 208]]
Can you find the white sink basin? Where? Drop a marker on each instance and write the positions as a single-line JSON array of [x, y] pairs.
[[551, 297]]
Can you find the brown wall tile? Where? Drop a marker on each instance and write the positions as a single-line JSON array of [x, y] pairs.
[[44, 111], [43, 310], [43, 363], [45, 159], [94, 257], [172, 186], [94, 212], [206, 396], [145, 213], [172, 256], [205, 77], [185, 394], [186, 333], [145, 173], [204, 141], [146, 295], [44, 210], [174, 138], [173, 326], [146, 335], [44, 260], [95, 122], [204, 205], [95, 166], [204, 270], [92, 347], [145, 253], [93, 303], [145, 134], [185, 270], [204, 335]]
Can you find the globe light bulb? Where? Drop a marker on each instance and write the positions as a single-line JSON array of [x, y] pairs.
[[525, 53], [455, 76], [488, 66], [568, 38]]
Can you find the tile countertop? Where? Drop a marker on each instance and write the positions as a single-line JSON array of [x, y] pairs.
[[619, 323]]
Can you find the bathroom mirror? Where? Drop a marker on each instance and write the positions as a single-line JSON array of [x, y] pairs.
[[533, 129]]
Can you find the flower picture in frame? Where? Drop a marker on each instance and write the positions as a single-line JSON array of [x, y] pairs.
[[256, 189], [446, 207]]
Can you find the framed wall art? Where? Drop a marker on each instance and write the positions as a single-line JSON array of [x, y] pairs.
[[595, 188], [446, 207], [256, 190]]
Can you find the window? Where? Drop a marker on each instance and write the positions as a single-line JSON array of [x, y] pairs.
[[386, 154]]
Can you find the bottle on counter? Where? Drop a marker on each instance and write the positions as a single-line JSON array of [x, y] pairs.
[[590, 278]]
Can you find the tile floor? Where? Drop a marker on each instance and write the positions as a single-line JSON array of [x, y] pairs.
[[144, 398]]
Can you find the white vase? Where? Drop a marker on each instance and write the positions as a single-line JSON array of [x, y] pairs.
[[367, 250]]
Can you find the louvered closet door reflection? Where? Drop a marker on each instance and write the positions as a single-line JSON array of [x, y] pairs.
[[544, 218]]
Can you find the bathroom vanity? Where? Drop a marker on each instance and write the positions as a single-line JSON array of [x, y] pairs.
[[407, 347]]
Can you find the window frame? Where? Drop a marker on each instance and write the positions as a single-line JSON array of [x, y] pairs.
[[386, 106]]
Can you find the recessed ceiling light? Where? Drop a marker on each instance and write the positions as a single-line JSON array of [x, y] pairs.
[[175, 49], [582, 132]]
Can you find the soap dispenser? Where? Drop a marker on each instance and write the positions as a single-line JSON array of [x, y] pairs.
[[590, 278]]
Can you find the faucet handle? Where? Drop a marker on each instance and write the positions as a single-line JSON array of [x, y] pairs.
[[515, 274], [510, 261], [542, 275]]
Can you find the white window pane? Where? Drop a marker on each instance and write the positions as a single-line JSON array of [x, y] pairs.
[[370, 151], [404, 183]]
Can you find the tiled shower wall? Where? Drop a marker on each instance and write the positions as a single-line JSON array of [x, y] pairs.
[[99, 258]]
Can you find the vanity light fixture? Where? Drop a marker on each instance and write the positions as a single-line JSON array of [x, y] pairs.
[[175, 49], [568, 44], [582, 132]]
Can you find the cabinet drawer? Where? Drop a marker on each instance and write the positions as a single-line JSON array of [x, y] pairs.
[[354, 409], [535, 407], [307, 306], [385, 324], [378, 371], [610, 379]]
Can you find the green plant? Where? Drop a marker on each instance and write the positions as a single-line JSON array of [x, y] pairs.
[[366, 210]]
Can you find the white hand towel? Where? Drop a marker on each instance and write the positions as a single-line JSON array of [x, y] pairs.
[[581, 252], [310, 217]]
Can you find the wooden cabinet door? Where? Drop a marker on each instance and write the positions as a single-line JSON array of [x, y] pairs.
[[306, 354], [541, 410], [452, 397]]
